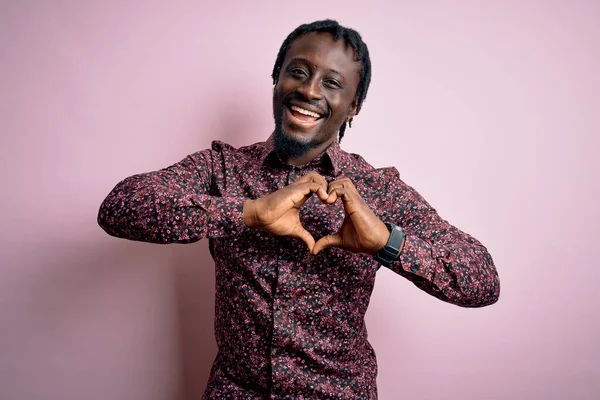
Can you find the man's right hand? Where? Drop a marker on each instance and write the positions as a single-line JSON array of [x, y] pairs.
[[279, 212]]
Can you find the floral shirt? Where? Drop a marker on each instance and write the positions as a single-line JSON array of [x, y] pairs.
[[288, 324]]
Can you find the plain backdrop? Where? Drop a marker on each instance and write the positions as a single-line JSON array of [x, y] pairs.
[[488, 108]]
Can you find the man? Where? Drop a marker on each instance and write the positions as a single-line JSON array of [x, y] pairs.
[[295, 267]]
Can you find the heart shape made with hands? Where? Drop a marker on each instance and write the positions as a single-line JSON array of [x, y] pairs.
[[279, 213]]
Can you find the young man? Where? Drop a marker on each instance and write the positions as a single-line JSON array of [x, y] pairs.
[[295, 267]]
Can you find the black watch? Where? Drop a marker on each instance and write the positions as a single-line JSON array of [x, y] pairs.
[[392, 248]]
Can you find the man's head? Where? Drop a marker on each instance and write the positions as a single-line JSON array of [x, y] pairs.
[[321, 77]]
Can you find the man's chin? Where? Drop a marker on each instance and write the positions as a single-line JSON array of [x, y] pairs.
[[299, 137], [293, 144]]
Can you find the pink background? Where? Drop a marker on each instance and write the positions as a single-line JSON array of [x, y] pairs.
[[489, 109]]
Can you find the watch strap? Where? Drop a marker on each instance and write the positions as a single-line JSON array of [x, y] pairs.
[[390, 252]]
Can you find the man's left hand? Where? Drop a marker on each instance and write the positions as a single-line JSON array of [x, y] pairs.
[[361, 231]]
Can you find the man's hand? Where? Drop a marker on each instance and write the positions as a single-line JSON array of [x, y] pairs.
[[361, 231], [279, 212]]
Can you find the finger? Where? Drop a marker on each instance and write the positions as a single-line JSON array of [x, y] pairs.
[[316, 178], [332, 196], [337, 188], [337, 192], [322, 193], [306, 187], [341, 183], [305, 236], [304, 190], [334, 240], [312, 177]]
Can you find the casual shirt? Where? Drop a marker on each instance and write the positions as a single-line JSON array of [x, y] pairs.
[[289, 324]]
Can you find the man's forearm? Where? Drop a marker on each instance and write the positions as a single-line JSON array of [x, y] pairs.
[[147, 208], [172, 205], [460, 272], [438, 257]]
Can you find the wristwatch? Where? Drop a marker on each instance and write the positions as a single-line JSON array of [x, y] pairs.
[[390, 252]]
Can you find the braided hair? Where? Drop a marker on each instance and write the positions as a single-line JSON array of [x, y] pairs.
[[338, 31]]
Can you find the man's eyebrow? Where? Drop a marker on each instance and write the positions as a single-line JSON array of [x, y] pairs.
[[305, 61]]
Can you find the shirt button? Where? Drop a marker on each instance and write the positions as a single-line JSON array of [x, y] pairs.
[[292, 176]]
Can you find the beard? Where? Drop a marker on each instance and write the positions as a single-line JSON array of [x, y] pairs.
[[288, 146]]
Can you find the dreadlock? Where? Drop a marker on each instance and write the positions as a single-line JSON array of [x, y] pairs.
[[351, 37]]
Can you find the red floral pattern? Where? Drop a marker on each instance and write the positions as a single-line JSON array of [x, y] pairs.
[[290, 325]]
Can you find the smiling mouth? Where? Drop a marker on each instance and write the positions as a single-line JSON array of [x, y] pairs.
[[302, 116]]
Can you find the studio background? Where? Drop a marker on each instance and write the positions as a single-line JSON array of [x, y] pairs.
[[489, 109]]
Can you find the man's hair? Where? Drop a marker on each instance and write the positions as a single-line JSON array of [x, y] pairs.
[[338, 31]]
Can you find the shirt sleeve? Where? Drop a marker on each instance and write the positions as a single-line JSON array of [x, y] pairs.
[[172, 205], [438, 257]]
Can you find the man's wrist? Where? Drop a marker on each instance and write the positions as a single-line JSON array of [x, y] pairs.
[[393, 247], [249, 212]]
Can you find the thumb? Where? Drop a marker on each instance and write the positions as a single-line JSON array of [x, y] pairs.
[[334, 240], [305, 236]]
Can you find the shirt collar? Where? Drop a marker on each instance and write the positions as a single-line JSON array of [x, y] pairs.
[[331, 160]]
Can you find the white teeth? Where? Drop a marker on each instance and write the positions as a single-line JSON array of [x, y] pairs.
[[305, 112]]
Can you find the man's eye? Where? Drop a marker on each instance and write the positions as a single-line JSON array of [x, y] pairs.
[[333, 83], [298, 72]]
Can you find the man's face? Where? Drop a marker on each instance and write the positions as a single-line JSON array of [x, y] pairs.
[[316, 90]]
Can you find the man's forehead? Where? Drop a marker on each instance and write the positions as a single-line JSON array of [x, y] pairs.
[[320, 47]]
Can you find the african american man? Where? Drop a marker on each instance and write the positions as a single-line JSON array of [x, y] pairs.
[[298, 228]]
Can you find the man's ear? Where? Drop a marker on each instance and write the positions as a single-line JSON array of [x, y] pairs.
[[353, 108], [352, 112]]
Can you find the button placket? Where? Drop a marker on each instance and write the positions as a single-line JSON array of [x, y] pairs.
[[293, 174], [279, 338]]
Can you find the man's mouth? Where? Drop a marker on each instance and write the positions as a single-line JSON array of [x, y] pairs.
[[302, 116]]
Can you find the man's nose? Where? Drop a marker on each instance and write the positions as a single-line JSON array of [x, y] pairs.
[[311, 89]]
